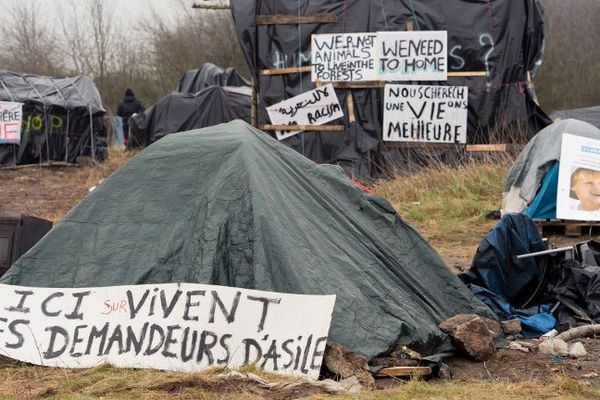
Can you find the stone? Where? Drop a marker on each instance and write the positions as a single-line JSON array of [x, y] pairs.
[[577, 350], [234, 374], [554, 347], [517, 346], [330, 386], [511, 327], [352, 385], [473, 334], [343, 362], [255, 378], [445, 372]]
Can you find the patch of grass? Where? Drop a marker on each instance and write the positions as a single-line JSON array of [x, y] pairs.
[[448, 204]]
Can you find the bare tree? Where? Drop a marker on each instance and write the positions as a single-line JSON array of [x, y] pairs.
[[29, 44]]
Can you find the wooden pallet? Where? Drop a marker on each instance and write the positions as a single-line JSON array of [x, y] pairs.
[[403, 371], [562, 227]]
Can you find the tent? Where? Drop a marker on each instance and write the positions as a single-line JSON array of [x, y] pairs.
[[179, 112], [531, 183], [207, 75], [591, 115], [229, 205], [503, 38], [63, 118]]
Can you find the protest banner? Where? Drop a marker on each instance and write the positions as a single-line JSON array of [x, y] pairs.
[[412, 56], [421, 113], [179, 327], [11, 118], [314, 107], [578, 194], [343, 57]]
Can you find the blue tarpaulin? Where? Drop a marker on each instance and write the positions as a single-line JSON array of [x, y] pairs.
[[544, 204], [506, 283]]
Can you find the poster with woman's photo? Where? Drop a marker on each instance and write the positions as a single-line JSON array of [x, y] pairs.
[[578, 194]]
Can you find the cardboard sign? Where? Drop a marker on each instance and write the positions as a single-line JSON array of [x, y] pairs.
[[578, 194], [419, 113], [343, 57], [179, 327], [315, 107], [11, 118], [412, 56]]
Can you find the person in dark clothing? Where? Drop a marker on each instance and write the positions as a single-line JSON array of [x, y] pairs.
[[129, 106]]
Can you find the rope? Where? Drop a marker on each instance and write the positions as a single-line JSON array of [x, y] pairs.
[[384, 16], [412, 7], [299, 64]]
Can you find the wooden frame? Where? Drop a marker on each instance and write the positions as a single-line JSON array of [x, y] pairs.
[[286, 19]]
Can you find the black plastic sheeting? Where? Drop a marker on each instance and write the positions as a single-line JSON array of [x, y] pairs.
[[179, 112], [63, 118], [504, 37], [228, 205], [210, 74], [591, 115]]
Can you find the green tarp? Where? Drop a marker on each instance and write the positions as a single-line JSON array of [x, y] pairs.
[[229, 205]]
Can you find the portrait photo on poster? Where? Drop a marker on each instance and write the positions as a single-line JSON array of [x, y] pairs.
[[578, 192]]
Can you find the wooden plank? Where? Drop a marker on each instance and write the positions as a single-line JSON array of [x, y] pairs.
[[365, 84], [474, 148], [317, 128], [284, 71], [287, 19], [403, 371], [573, 230], [424, 145], [467, 73], [350, 104]]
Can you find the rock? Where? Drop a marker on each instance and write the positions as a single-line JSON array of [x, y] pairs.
[[234, 374], [445, 372], [345, 363], [473, 334], [577, 350], [352, 385], [554, 347], [255, 378], [517, 346], [329, 385], [511, 327], [494, 214]]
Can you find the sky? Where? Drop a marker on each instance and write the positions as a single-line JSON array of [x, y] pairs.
[[128, 12]]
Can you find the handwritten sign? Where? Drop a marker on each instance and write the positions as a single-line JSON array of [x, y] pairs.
[[11, 117], [314, 107], [343, 57], [412, 56], [419, 113], [182, 327]]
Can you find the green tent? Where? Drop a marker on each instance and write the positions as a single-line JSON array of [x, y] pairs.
[[229, 205]]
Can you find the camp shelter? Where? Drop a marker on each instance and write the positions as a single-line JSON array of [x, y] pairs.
[[503, 39], [63, 118], [207, 75], [531, 184], [591, 115], [229, 205], [178, 112]]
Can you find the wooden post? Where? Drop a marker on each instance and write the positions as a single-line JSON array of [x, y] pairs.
[[350, 104]]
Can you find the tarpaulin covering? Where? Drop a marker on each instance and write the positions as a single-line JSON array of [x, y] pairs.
[[525, 176], [543, 205], [210, 74], [178, 112], [63, 118], [591, 115], [508, 284], [229, 205], [503, 38]]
